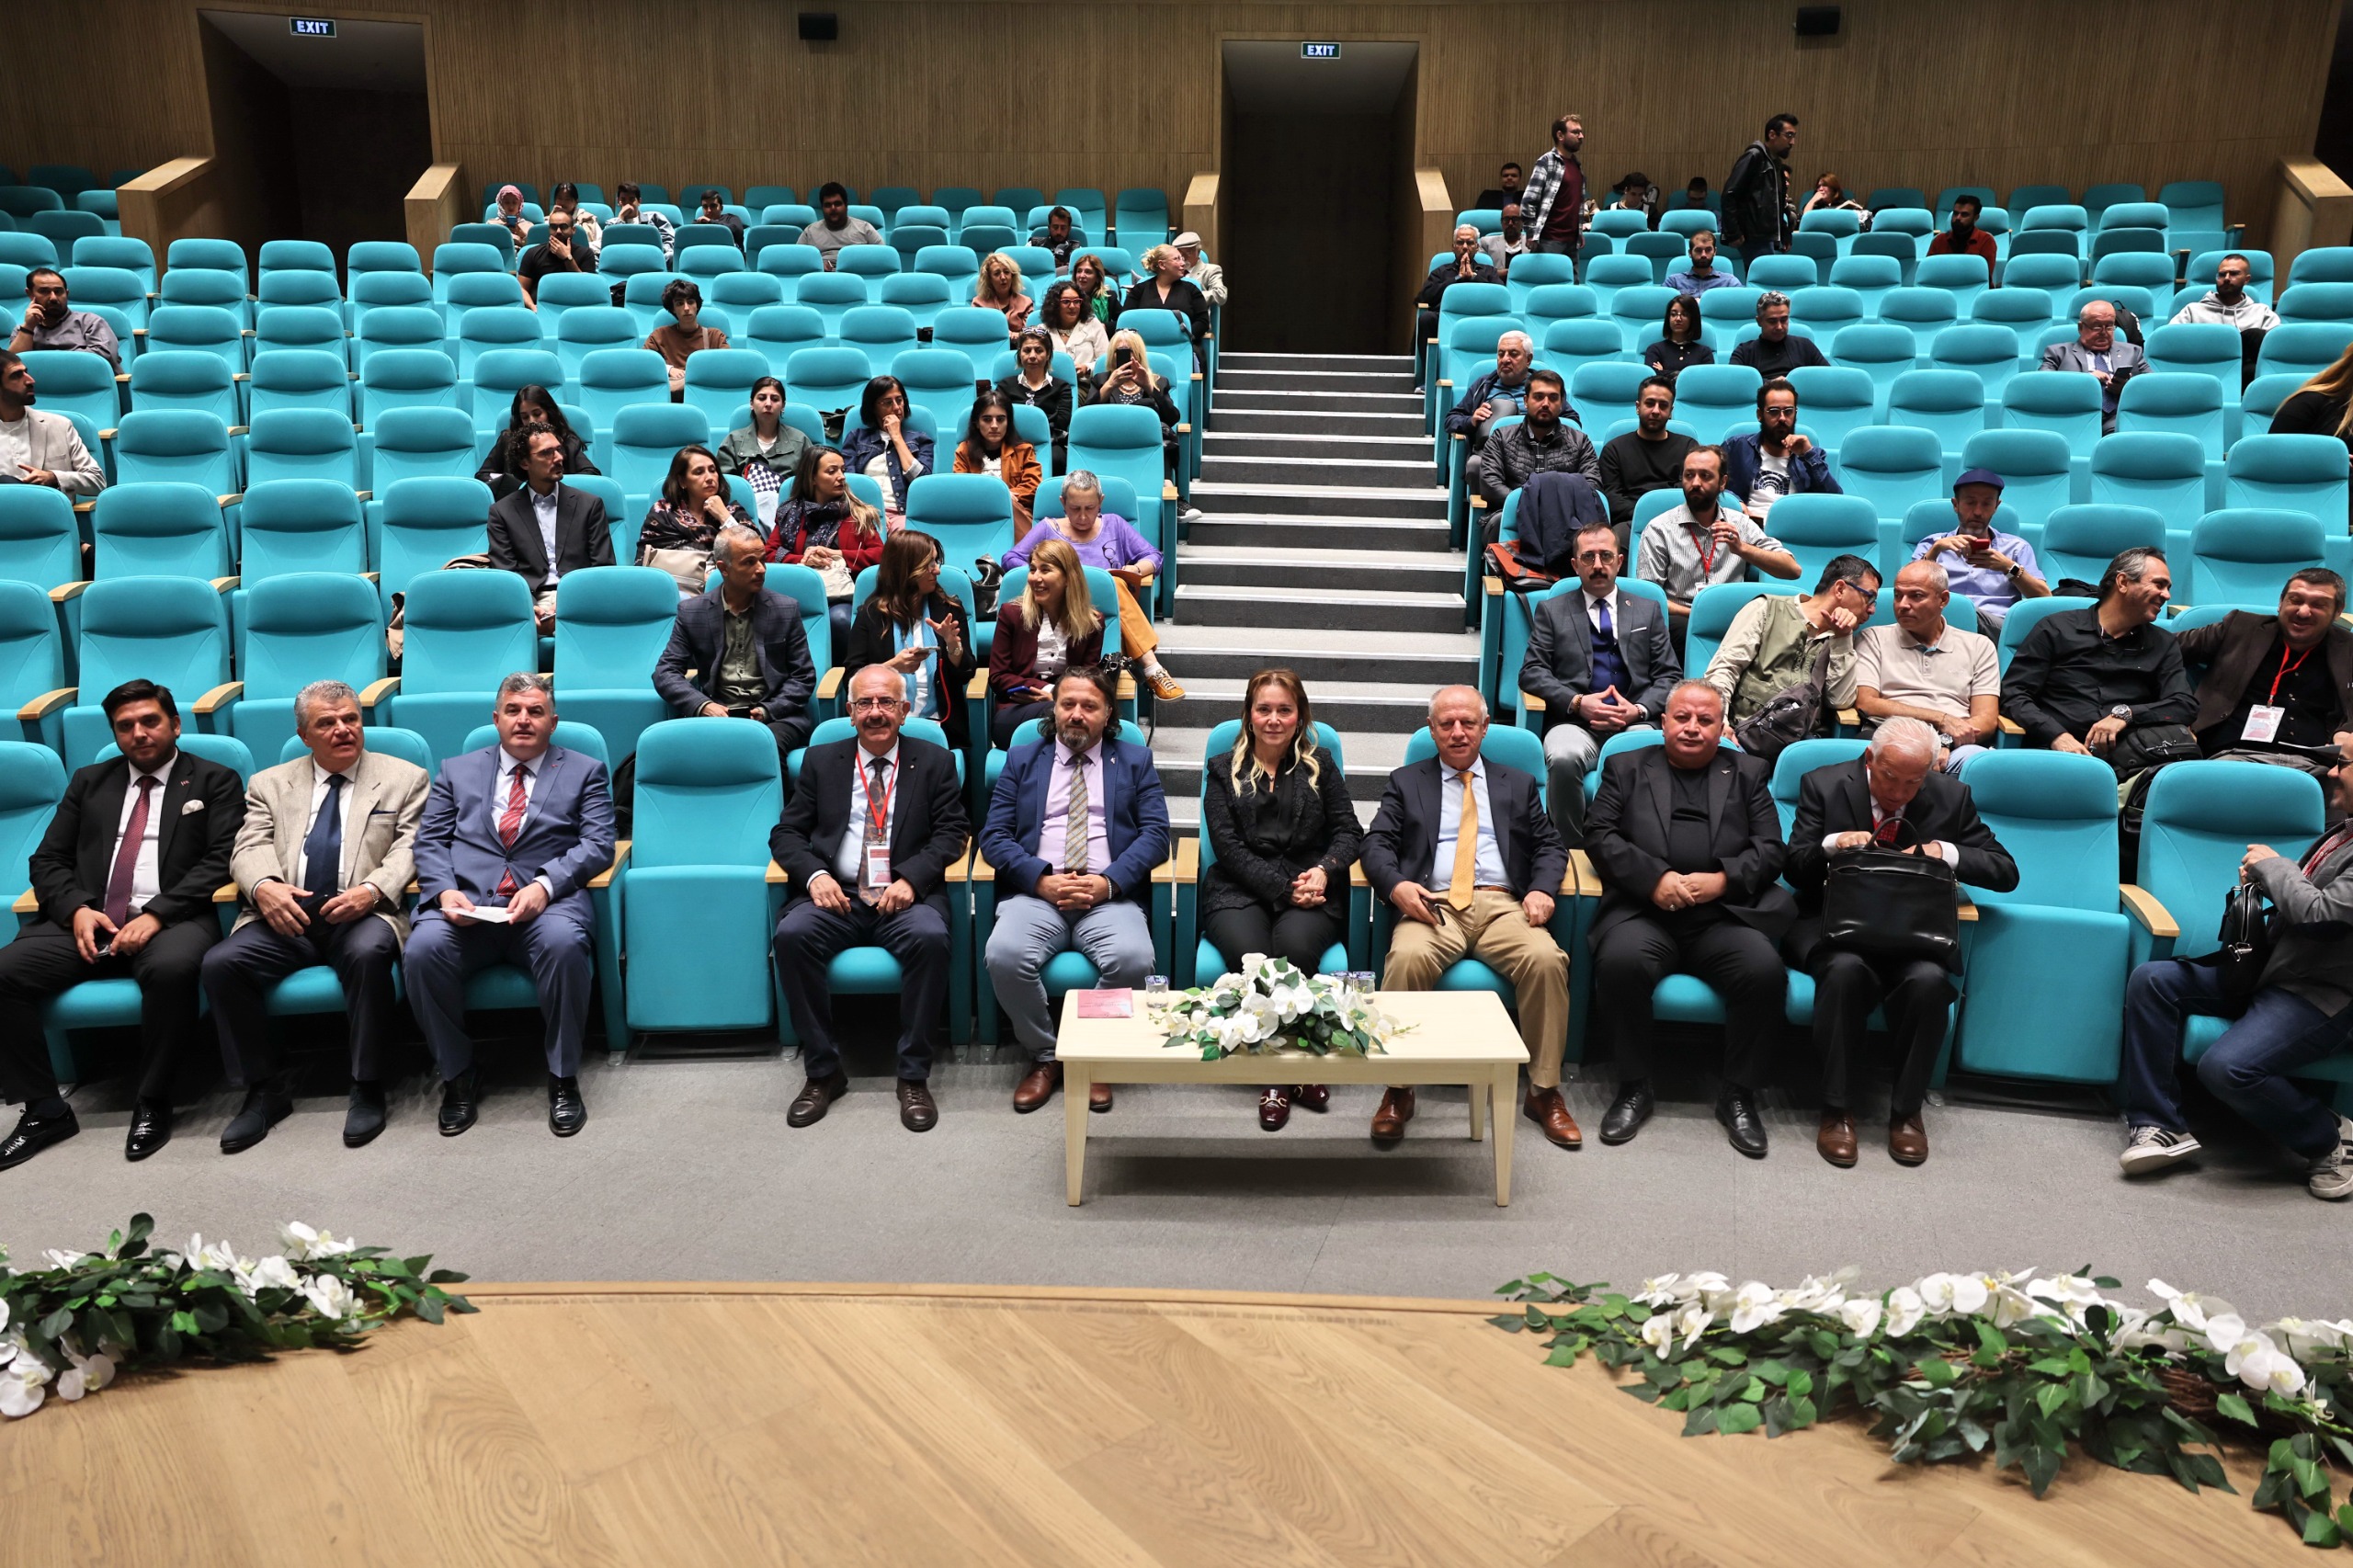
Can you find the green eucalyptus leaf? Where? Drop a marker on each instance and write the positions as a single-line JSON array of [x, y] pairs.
[[1740, 1417]]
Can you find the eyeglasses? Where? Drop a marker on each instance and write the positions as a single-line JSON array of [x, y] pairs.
[[875, 704]]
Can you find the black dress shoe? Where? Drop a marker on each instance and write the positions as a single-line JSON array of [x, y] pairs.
[[567, 1113], [1737, 1110], [151, 1129], [365, 1115], [32, 1136], [460, 1103], [917, 1112], [1627, 1111], [815, 1099], [264, 1109]]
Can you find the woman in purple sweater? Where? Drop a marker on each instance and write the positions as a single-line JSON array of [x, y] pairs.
[[1110, 543]]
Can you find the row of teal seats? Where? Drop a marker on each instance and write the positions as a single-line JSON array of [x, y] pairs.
[[1136, 209], [67, 181]]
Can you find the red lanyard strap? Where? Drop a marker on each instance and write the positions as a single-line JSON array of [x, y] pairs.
[[2286, 668], [881, 815]]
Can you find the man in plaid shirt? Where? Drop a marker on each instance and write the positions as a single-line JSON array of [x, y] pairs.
[[1554, 202]]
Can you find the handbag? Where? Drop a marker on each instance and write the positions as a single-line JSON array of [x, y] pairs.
[[2151, 746], [1789, 716], [1520, 578], [2242, 943], [1883, 904], [690, 567]]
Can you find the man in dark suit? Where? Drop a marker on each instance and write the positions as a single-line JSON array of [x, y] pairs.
[[1688, 846], [546, 528], [867, 838], [2096, 352], [1896, 796], [1463, 847], [2263, 696], [1599, 661], [738, 652], [124, 878]]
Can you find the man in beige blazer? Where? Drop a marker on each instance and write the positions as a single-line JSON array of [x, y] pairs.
[[324, 864], [39, 448]]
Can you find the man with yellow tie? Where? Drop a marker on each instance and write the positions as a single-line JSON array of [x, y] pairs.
[[1463, 847]]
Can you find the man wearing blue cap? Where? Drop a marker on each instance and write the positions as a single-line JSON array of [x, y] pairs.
[[1990, 569]]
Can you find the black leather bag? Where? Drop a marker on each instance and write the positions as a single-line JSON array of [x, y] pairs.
[[1788, 717], [2152, 745], [2243, 943], [1886, 905]]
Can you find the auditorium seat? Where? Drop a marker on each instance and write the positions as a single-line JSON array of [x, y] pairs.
[[303, 443], [882, 332], [2165, 471], [1984, 350], [611, 628], [1881, 351], [2261, 399], [2079, 541], [2304, 473], [1949, 404], [645, 437], [427, 521], [2303, 348], [160, 529], [464, 632], [2037, 472], [172, 630], [296, 628], [831, 295], [1893, 466]]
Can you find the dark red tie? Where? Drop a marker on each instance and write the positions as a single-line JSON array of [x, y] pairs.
[[510, 828], [1888, 828], [126, 856]]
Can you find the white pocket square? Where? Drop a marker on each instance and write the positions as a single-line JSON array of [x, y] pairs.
[[188, 806]]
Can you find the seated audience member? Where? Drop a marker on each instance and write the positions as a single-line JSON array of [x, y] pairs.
[[910, 624], [1894, 798], [532, 404], [2265, 697], [1830, 196], [1698, 274], [1058, 238], [1775, 351], [1775, 641], [587, 230], [1600, 660], [508, 214], [547, 529], [683, 335], [1647, 458], [738, 652], [1462, 846], [1051, 626], [1687, 845], [867, 838], [714, 210], [2228, 303], [1071, 328], [124, 876], [824, 527], [998, 288], [1499, 394], [1963, 237], [1924, 667], [1106, 541], [1162, 288], [1990, 569], [2322, 406], [1542, 442], [1695, 194], [1132, 380], [1702, 541], [323, 863], [51, 323], [1467, 266], [886, 447], [1774, 460], [1199, 271], [681, 529], [993, 449], [562, 251], [1033, 380], [1074, 828], [1094, 288], [2083, 678], [1277, 813], [522, 824], [765, 453], [834, 227], [1681, 342], [1505, 191], [1636, 194], [38, 447], [2096, 352], [630, 210], [1502, 249]]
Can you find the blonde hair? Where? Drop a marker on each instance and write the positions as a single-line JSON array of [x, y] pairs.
[[1246, 771], [1149, 263], [2335, 384], [1135, 340], [1077, 617], [986, 292]]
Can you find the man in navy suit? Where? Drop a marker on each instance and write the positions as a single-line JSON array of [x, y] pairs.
[[512, 833], [1074, 832]]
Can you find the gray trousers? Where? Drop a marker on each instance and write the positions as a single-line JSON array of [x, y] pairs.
[[1116, 938], [1570, 751]]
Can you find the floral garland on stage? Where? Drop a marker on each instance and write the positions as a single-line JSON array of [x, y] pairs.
[[1954, 1364], [1269, 1006], [70, 1328]]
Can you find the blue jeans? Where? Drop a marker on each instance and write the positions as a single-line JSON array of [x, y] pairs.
[[2247, 1069]]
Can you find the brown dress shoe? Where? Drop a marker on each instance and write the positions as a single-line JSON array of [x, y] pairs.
[[1099, 1097], [1274, 1110], [815, 1099], [1389, 1121], [1548, 1110], [1908, 1141], [1316, 1097], [917, 1110], [1835, 1141], [1037, 1086]]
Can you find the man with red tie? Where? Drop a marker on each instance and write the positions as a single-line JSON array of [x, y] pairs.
[[124, 877]]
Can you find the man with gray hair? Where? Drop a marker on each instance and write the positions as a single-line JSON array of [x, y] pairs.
[[1927, 669], [1892, 801], [1467, 266], [323, 864], [1499, 394], [739, 651], [2083, 678], [1775, 351], [2096, 352]]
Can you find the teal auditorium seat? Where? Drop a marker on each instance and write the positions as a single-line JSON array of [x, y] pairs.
[[1834, 402], [172, 630], [2080, 540], [719, 381], [2305, 473], [301, 525], [2165, 471], [2183, 402], [2037, 470], [300, 378], [1949, 404], [303, 443], [589, 329], [161, 379], [161, 529], [646, 436], [298, 628], [613, 379], [1712, 609], [827, 379], [118, 288], [427, 521], [465, 631], [1825, 525], [33, 674], [1123, 442], [941, 381], [1717, 399], [415, 443], [389, 326], [1893, 466], [2240, 556], [610, 628]]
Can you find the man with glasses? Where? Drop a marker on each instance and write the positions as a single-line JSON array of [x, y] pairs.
[[2096, 352], [560, 252], [1776, 640]]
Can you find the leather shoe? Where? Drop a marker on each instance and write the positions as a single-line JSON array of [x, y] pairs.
[[1274, 1110], [1835, 1141], [1908, 1141], [1099, 1097], [32, 1136], [815, 1099], [1627, 1111], [460, 1103], [917, 1112], [264, 1109], [1548, 1110], [151, 1129], [1316, 1097], [364, 1116], [567, 1113], [1037, 1086], [1389, 1121], [1737, 1110]]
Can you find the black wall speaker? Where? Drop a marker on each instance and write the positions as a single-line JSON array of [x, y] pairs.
[[822, 26], [1813, 21]]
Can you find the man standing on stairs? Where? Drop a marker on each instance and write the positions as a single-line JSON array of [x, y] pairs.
[[1553, 204], [1542, 442]]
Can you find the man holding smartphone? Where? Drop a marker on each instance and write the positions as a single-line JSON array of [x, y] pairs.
[[1991, 569]]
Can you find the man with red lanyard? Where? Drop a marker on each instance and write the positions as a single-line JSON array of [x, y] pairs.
[[1702, 541], [2279, 689]]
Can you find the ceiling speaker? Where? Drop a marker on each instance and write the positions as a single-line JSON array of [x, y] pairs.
[[822, 26], [1813, 21]]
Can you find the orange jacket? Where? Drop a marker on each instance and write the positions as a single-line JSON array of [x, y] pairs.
[[1021, 474]]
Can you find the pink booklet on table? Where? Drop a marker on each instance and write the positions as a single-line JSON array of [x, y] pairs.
[[1106, 1004]]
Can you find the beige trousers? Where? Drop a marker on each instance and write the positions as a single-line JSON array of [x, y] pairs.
[[1496, 931]]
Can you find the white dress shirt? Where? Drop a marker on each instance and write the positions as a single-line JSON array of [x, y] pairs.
[[507, 764], [1946, 851], [543, 507], [849, 868], [1487, 863], [146, 873], [1051, 832], [17, 445]]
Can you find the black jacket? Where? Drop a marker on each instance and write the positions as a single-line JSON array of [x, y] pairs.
[[1838, 799], [870, 642], [2229, 651], [1626, 835], [583, 537], [1185, 297], [1055, 397], [2066, 675], [1266, 838], [699, 637], [1403, 839], [1757, 199], [1441, 278], [200, 809], [930, 831]]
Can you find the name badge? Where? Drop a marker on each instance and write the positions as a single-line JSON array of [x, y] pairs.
[[2263, 723], [878, 866]]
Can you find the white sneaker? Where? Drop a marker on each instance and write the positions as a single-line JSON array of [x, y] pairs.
[[2154, 1148], [2331, 1175]]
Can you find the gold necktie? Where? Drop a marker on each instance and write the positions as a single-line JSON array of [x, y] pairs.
[[1466, 847]]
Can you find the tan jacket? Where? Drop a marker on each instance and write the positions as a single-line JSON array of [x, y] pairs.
[[378, 841], [57, 446]]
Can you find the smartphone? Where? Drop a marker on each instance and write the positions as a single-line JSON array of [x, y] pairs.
[[1122, 356]]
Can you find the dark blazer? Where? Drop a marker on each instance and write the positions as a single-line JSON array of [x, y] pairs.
[[870, 642], [1559, 666], [1184, 297], [203, 805], [929, 830], [1135, 817], [1626, 835], [1013, 657], [2231, 647], [582, 537], [1265, 839], [566, 837], [699, 637], [1838, 799], [1402, 841]]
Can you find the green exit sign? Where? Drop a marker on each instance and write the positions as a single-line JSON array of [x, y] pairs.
[[1319, 51]]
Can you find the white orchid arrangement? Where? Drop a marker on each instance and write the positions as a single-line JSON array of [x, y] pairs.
[[1269, 1004], [1950, 1365], [70, 1328]]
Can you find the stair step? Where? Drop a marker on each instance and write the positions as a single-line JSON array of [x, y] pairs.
[[1287, 420], [1235, 653], [1365, 401], [1257, 359], [1220, 605], [1276, 532], [1217, 496], [1338, 473], [1310, 385], [1383, 707], [1342, 571], [1408, 446]]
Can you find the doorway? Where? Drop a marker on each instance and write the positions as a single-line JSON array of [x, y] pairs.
[[1317, 156]]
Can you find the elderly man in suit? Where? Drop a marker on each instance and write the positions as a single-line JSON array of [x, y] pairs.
[[2096, 352], [511, 835], [867, 838], [1895, 796], [546, 528], [1462, 846], [739, 652], [37, 447], [1074, 831], [323, 862], [1688, 848], [124, 876], [1600, 661]]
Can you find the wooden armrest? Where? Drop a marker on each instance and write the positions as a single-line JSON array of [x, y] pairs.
[[777, 874], [604, 878], [225, 585], [1445, 385], [1568, 883], [1168, 491], [231, 500], [48, 702], [1357, 879], [1458, 436], [1495, 590], [373, 576], [110, 433], [1478, 502], [829, 685], [1531, 703], [86, 505], [978, 686], [27, 903], [1127, 686], [1966, 909], [1185, 427], [220, 696], [240, 429], [63, 591], [982, 872], [2011, 726], [2142, 905], [1849, 718], [1588, 881], [962, 871], [225, 894], [1185, 866], [378, 690]]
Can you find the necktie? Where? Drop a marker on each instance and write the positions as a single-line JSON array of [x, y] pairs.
[[1888, 828], [1074, 824], [126, 857], [1466, 847], [877, 809], [2099, 363], [510, 828], [1601, 617], [322, 846]]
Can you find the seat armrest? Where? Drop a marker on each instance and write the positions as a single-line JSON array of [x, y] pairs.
[[48, 702], [1588, 881], [1357, 879], [2011, 726], [1850, 719], [982, 872], [63, 591], [1966, 909], [1127, 686], [27, 903], [378, 690], [604, 878], [1478, 502], [829, 685], [1531, 703], [1184, 867], [1168, 491], [225, 894], [225, 585], [2143, 906], [978, 686], [962, 871], [220, 696], [777, 874]]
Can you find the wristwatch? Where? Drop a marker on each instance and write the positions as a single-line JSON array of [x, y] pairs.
[[2122, 712]]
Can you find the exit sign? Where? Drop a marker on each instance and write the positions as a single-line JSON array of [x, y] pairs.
[[1319, 51], [311, 26]]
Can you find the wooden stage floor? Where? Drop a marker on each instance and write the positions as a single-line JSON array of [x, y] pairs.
[[820, 1425]]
